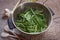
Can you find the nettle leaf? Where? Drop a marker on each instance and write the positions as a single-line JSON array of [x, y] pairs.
[[32, 20], [27, 16]]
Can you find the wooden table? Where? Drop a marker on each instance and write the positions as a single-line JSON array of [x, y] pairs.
[[53, 33]]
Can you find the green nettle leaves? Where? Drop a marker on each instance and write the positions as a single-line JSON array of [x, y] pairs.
[[32, 21]]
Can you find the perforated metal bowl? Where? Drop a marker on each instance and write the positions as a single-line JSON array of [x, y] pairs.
[[23, 6]]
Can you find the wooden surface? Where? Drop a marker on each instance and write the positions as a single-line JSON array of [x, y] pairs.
[[53, 33]]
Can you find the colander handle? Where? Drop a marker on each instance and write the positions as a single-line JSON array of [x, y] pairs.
[[51, 11], [45, 2]]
